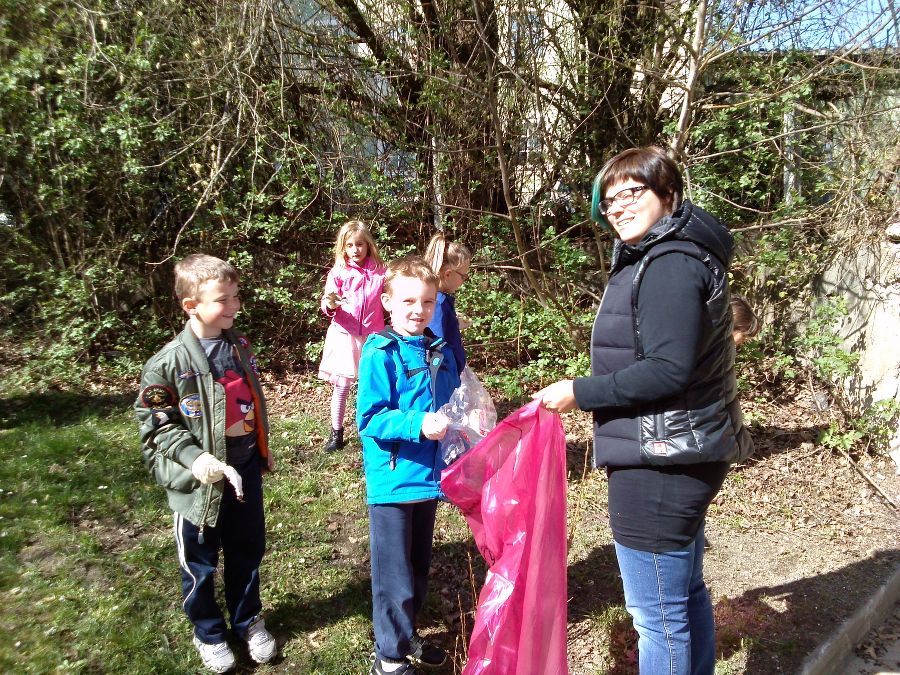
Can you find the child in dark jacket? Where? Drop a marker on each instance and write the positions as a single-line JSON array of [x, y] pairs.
[[406, 374], [204, 430], [450, 260]]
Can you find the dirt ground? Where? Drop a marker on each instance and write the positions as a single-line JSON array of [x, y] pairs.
[[799, 537]]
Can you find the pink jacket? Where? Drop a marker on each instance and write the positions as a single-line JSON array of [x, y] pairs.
[[360, 311]]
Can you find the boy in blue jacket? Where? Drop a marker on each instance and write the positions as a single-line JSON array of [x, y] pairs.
[[405, 375]]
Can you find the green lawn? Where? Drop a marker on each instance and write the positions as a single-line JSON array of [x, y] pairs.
[[89, 579], [88, 573]]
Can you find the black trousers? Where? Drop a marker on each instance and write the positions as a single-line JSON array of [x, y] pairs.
[[241, 534]]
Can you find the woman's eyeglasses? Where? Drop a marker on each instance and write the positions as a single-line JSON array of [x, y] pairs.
[[625, 197]]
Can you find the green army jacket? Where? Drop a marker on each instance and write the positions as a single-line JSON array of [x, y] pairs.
[[181, 413]]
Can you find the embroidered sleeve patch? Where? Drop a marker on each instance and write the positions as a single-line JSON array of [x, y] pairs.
[[161, 417], [157, 396], [190, 406]]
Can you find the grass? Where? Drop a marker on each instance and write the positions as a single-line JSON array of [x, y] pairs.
[[89, 579], [88, 572]]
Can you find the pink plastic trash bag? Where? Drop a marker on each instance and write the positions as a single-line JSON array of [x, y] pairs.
[[511, 488]]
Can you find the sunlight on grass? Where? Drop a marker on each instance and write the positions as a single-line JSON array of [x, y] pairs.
[[89, 575], [87, 562]]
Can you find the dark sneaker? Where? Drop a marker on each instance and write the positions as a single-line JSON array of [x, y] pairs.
[[424, 654], [404, 669], [335, 441]]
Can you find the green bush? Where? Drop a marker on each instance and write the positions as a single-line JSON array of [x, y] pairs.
[[520, 345]]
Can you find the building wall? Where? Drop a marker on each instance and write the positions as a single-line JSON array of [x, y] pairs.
[[868, 278]]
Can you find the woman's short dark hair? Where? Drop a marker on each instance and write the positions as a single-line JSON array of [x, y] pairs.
[[650, 166]]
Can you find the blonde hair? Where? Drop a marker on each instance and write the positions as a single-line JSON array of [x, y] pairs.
[[441, 253], [410, 266], [348, 229], [192, 271], [745, 320]]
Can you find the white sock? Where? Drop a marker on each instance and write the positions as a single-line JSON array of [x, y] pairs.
[[391, 666]]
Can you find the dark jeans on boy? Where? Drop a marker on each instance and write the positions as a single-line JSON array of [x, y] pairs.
[[400, 538], [241, 533]]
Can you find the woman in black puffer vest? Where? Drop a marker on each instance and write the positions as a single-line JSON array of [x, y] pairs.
[[667, 424]]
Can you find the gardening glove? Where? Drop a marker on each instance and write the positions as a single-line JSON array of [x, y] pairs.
[[434, 426], [207, 469]]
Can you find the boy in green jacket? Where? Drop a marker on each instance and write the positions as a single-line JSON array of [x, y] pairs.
[[204, 431]]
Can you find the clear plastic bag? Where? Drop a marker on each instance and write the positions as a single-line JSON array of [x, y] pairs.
[[472, 415]]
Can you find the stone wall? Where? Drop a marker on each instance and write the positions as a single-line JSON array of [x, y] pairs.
[[868, 278]]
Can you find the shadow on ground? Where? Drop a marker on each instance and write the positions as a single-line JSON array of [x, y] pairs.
[[59, 408], [807, 605], [756, 621]]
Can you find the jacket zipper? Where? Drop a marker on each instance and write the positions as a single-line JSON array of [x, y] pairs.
[[212, 435], [362, 307], [659, 427]]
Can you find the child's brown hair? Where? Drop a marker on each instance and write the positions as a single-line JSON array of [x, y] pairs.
[[192, 271], [409, 266], [745, 320]]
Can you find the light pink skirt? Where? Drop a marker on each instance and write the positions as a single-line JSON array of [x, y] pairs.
[[340, 356]]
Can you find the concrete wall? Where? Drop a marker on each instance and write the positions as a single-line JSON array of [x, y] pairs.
[[868, 278]]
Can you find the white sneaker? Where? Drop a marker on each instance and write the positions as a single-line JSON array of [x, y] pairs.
[[260, 643], [218, 657]]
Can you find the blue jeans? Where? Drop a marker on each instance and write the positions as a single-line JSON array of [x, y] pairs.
[[669, 603], [400, 538]]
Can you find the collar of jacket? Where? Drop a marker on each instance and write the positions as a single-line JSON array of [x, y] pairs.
[[428, 339], [368, 267], [195, 349], [689, 223]]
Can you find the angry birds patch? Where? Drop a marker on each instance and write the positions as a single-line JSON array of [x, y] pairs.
[[240, 417]]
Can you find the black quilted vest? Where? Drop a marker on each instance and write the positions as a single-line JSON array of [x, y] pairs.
[[703, 423]]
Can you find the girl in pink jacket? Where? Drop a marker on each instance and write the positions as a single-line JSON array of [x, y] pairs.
[[352, 298]]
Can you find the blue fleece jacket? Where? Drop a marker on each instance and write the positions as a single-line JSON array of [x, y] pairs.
[[401, 378]]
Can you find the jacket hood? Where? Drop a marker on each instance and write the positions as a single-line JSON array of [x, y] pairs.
[[688, 223], [383, 338]]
